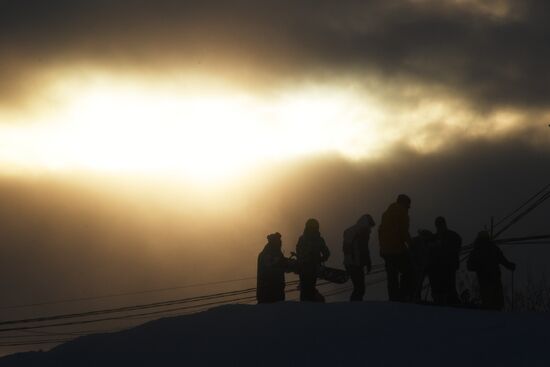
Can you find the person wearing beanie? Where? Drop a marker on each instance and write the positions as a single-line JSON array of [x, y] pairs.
[[272, 265]]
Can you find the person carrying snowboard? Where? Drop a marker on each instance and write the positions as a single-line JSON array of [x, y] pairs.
[[272, 265], [485, 259], [357, 254], [311, 251]]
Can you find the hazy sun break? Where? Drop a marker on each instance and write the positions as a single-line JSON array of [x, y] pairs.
[[209, 131]]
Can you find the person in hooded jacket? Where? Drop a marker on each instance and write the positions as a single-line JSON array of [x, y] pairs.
[[444, 263], [357, 254], [485, 259], [311, 251], [393, 237], [272, 265]]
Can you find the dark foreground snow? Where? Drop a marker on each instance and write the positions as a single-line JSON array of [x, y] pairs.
[[297, 334]]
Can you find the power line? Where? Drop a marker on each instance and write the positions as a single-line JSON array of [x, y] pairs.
[[521, 215], [525, 238], [157, 290], [248, 298], [143, 315], [523, 204], [35, 342], [526, 243], [113, 318], [378, 269], [130, 308]]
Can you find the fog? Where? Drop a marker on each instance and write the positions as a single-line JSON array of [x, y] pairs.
[[68, 237]]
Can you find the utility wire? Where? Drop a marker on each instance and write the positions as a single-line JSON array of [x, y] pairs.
[[91, 298], [113, 318], [131, 308], [523, 205], [134, 307], [521, 239], [521, 215], [249, 298], [36, 342], [150, 314]]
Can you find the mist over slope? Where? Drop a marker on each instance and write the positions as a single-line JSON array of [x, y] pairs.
[[302, 334], [64, 239]]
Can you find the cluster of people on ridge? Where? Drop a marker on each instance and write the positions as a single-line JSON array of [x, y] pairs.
[[408, 261]]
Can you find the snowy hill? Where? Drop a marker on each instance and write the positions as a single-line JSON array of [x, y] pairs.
[[299, 334]]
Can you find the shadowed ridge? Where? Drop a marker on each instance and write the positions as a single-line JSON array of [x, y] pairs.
[[330, 334]]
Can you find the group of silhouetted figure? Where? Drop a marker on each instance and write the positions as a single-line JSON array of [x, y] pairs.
[[408, 261]]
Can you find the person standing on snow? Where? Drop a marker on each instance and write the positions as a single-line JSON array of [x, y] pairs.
[[394, 237], [357, 254], [485, 259], [272, 265], [311, 251], [444, 263], [419, 249]]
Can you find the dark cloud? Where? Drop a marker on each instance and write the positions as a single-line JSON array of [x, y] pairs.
[[492, 58]]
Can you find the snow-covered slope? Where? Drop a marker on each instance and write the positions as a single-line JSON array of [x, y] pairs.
[[301, 334]]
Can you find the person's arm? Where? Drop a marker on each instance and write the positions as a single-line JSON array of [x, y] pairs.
[[346, 246], [404, 224], [348, 257], [325, 252], [299, 250], [269, 261], [505, 262]]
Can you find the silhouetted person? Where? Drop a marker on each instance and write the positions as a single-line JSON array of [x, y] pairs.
[[485, 259], [394, 236], [444, 263], [271, 271], [311, 251], [357, 254], [419, 249]]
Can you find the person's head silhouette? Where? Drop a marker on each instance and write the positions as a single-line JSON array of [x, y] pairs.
[[404, 201]]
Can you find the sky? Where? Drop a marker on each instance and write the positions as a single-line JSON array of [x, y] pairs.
[[156, 83], [164, 140]]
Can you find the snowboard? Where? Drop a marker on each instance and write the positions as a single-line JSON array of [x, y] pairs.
[[333, 275]]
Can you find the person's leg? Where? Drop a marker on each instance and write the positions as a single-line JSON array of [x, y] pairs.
[[406, 281], [307, 286], [361, 283], [453, 293], [419, 274], [439, 286], [280, 294], [485, 292], [498, 295], [318, 296], [393, 278], [357, 275]]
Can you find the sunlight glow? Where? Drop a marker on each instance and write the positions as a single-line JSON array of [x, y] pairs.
[[203, 136], [211, 134]]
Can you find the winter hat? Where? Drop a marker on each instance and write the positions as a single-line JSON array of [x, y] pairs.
[[273, 237]]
